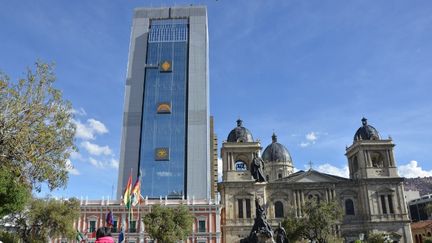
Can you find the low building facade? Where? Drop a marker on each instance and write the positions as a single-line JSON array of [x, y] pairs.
[[206, 226]]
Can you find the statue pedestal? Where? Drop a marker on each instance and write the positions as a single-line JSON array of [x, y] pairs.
[[260, 191], [265, 239]]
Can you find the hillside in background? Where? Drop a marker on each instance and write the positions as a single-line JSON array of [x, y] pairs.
[[423, 185]]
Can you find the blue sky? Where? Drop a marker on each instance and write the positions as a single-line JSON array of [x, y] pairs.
[[308, 70]]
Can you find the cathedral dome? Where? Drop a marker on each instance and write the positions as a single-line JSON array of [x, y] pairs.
[[276, 152], [240, 134], [366, 132]]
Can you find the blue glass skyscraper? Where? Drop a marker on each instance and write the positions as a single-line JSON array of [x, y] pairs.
[[165, 132]]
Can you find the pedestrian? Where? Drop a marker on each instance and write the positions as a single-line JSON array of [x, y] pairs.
[[103, 235]]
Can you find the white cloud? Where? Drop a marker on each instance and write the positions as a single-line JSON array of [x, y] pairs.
[[95, 149], [333, 170], [79, 112], [72, 170], [114, 163], [97, 126], [413, 170], [163, 173], [312, 137], [89, 130], [76, 156], [96, 162], [304, 144], [104, 164]]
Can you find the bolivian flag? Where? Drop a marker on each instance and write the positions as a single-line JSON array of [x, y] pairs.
[[136, 192], [127, 193]]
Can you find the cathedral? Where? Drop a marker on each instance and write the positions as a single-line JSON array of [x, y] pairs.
[[372, 198]]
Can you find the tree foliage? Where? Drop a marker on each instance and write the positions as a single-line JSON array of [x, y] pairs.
[[168, 225], [375, 238], [36, 129], [44, 219], [13, 194], [318, 222], [7, 237], [294, 228]]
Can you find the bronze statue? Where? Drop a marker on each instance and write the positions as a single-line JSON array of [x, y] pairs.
[[261, 228], [257, 168], [281, 236]]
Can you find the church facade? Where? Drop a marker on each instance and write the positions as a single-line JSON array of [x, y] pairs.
[[372, 198]]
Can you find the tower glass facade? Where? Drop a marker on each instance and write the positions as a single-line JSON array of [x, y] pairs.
[[163, 138], [165, 133]]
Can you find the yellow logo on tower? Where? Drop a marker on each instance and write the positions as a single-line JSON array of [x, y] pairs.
[[161, 154], [165, 66]]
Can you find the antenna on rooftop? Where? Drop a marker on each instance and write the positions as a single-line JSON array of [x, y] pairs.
[[310, 165]]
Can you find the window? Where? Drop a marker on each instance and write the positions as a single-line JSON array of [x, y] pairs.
[[248, 208], [132, 226], [92, 225], [201, 226], [390, 203], [377, 159], [279, 211], [349, 207], [240, 208], [114, 227], [279, 175], [383, 204], [244, 205], [267, 178], [355, 163]]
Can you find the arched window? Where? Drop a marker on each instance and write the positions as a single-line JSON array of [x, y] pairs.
[[349, 207], [279, 211]]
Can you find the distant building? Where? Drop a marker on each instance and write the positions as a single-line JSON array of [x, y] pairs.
[[421, 230], [417, 208], [372, 197], [411, 195], [166, 111], [213, 161], [206, 226]]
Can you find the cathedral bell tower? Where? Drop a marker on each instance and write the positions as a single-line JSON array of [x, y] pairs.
[[370, 156], [238, 153]]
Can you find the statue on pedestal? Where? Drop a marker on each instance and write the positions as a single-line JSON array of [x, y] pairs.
[[261, 230], [257, 168]]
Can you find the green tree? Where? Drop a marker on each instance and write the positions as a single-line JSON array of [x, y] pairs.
[[7, 237], [36, 134], [167, 224], [317, 223], [294, 227], [376, 238], [13, 194], [428, 209], [44, 219]]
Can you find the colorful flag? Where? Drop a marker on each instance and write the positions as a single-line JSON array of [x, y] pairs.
[[80, 236], [127, 193], [136, 192], [121, 236], [109, 219]]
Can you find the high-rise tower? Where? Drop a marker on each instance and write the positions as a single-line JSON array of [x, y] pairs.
[[166, 112]]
